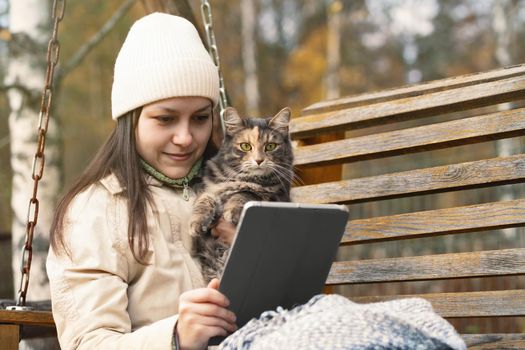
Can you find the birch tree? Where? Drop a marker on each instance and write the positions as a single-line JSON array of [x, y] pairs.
[[251, 90], [502, 24], [30, 30], [30, 27], [333, 55]]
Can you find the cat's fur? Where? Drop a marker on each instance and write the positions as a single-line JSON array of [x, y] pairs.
[[235, 176]]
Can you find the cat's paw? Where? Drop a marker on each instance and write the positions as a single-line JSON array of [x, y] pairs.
[[198, 228]]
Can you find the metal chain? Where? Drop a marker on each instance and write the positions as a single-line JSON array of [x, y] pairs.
[[214, 52], [53, 51]]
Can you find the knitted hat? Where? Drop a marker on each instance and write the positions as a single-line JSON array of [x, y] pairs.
[[162, 57]]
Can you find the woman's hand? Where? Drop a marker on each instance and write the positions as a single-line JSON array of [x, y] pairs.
[[224, 231], [202, 315]]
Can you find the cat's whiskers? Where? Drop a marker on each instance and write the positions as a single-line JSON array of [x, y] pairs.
[[277, 175], [224, 173], [232, 173], [296, 179], [247, 168], [293, 175], [285, 172]]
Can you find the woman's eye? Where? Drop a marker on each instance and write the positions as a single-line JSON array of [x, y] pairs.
[[201, 118], [164, 118], [270, 146], [245, 146]]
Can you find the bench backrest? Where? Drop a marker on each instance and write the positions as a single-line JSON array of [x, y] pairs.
[[432, 174]]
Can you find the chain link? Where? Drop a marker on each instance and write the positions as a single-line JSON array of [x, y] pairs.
[[53, 51], [214, 52]]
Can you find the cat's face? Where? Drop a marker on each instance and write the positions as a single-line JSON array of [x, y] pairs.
[[258, 146]]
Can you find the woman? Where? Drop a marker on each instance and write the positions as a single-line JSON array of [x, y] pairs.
[[120, 268]]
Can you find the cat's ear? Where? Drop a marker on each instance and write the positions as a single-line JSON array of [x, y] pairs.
[[232, 121], [281, 120]]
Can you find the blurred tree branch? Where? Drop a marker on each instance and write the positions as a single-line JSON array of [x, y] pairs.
[[82, 52], [5, 34], [4, 142], [33, 95], [181, 8], [175, 7], [184, 10]]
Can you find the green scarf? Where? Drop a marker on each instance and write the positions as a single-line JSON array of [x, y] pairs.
[[182, 182]]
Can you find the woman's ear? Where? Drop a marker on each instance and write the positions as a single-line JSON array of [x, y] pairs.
[[232, 121], [281, 120]]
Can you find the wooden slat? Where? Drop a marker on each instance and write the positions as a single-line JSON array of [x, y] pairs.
[[35, 305], [9, 336], [496, 171], [35, 318], [494, 341], [468, 304], [424, 138], [427, 105], [430, 267], [488, 216], [414, 90]]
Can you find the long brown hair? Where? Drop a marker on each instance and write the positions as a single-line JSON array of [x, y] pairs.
[[117, 156]]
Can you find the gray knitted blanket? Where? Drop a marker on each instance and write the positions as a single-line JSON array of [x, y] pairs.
[[333, 322]]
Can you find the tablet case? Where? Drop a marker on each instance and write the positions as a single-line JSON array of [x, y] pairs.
[[281, 256]]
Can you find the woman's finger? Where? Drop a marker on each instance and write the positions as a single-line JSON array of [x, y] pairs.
[[205, 295], [208, 310], [214, 284], [209, 321], [197, 336]]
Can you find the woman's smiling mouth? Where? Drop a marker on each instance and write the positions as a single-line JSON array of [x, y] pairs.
[[178, 156]]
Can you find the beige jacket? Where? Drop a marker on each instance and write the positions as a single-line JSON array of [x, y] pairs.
[[102, 298]]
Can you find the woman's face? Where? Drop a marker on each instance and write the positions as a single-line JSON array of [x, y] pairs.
[[172, 134]]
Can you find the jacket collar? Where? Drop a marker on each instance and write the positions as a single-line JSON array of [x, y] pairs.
[[113, 185]]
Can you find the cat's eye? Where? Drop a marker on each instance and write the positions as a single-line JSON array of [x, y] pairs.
[[270, 146], [245, 146]]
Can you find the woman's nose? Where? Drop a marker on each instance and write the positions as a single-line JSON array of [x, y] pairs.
[[182, 136]]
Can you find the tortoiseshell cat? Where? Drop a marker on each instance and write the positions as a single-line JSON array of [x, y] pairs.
[[254, 162]]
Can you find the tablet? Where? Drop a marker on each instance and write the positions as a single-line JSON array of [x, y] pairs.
[[281, 256]]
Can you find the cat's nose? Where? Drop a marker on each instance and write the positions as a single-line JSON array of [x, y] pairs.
[[259, 161]]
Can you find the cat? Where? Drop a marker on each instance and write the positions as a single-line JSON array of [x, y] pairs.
[[254, 162]]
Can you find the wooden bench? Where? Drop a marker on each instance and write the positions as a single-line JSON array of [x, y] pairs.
[[383, 129], [421, 171], [17, 325]]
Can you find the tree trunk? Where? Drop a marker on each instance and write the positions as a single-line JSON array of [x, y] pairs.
[[251, 89], [30, 25], [333, 51], [503, 14]]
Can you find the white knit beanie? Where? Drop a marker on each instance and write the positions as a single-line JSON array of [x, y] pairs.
[[162, 57]]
